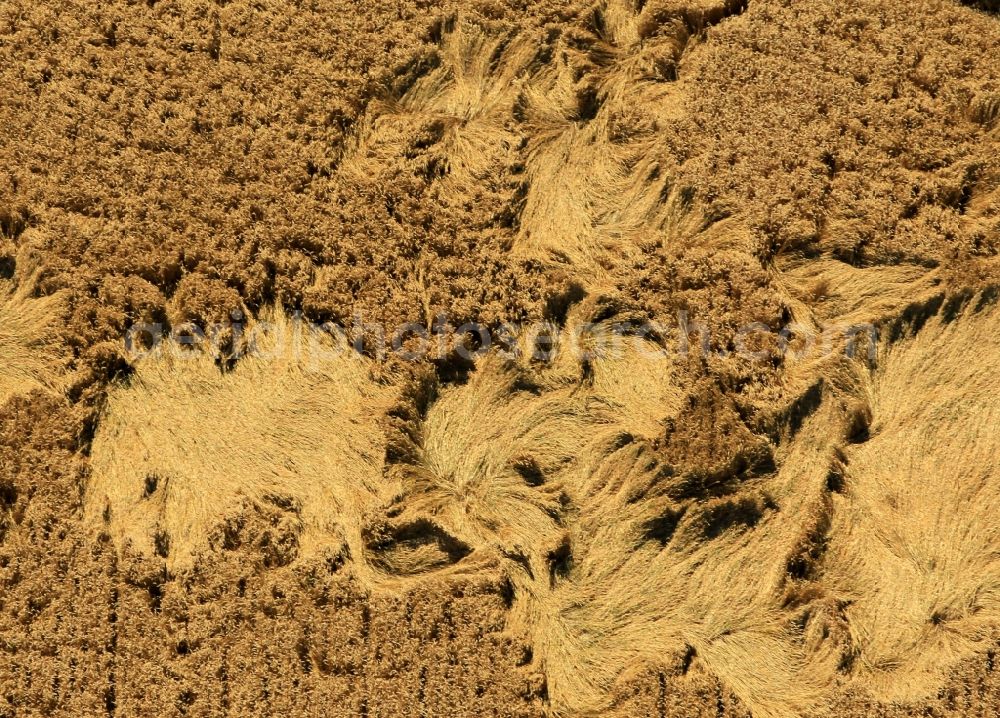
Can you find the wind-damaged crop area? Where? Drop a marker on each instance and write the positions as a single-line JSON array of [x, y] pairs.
[[181, 443], [29, 324], [913, 547], [615, 558], [615, 357]]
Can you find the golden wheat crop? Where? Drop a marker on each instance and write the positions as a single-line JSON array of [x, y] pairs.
[[864, 554]]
